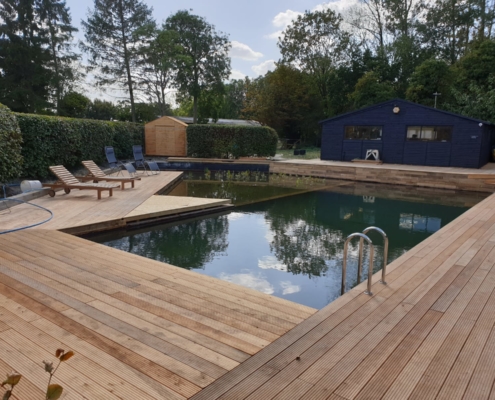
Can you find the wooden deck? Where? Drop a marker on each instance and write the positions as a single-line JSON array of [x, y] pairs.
[[80, 212], [428, 334], [141, 329]]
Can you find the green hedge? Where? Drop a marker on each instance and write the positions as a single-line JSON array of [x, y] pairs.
[[220, 141], [67, 141], [10, 146]]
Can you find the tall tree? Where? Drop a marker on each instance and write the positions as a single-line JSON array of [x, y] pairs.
[[157, 67], [316, 44], [285, 100], [447, 28], [113, 38], [201, 59], [54, 14], [24, 75]]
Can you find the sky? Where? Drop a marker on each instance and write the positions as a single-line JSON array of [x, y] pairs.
[[253, 26]]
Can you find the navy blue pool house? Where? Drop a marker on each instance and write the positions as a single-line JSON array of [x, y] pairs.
[[408, 133]]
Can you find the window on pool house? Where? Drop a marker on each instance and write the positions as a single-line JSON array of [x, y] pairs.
[[363, 132], [429, 133]]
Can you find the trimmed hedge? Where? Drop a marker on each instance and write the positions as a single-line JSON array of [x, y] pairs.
[[10, 146], [220, 141], [68, 141]]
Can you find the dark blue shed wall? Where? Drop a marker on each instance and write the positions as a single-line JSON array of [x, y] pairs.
[[470, 145]]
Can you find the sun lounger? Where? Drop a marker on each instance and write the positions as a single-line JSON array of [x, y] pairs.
[[67, 181], [95, 175], [150, 167], [115, 164]]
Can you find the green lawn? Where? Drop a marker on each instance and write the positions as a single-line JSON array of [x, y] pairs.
[[311, 153]]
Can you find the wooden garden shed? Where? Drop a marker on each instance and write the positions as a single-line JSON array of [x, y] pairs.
[[166, 136]]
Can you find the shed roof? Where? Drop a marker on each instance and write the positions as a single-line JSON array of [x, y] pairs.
[[189, 120], [155, 121], [397, 100]]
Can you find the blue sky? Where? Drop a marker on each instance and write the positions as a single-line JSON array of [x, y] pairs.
[[252, 26]]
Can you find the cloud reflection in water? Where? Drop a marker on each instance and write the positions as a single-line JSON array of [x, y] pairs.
[[249, 280]]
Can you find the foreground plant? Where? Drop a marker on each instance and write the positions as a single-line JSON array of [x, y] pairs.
[[12, 379], [53, 391]]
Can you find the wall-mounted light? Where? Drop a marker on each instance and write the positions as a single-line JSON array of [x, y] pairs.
[[480, 124], [396, 110]]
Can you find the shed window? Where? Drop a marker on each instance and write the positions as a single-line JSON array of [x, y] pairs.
[[430, 133], [363, 132]]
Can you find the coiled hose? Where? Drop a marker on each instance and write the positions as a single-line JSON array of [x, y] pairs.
[[24, 202]]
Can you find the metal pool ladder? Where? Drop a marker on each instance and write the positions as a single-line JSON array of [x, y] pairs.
[[362, 237]]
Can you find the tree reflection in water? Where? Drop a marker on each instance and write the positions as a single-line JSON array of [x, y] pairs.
[[191, 245]]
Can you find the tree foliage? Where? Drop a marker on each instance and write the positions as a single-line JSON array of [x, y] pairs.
[[114, 35], [316, 44], [201, 55], [286, 101]]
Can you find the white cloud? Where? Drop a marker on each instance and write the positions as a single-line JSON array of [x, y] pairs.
[[271, 262], [264, 67], [236, 74], [289, 288], [243, 51], [281, 21], [235, 215], [338, 5], [249, 281]]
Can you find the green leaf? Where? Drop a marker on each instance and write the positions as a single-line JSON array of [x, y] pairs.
[[54, 392]]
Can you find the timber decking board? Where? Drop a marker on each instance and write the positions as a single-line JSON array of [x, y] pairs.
[[145, 329], [90, 294], [430, 333]]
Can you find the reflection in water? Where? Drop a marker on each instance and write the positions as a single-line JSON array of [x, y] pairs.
[[290, 247], [200, 241], [248, 280]]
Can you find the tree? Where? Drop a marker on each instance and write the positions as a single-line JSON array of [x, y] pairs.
[[113, 39], [476, 65], [432, 76], [446, 29], [24, 75], [201, 58], [102, 109], [286, 101], [74, 105], [55, 15], [316, 44], [370, 90], [157, 67], [476, 101], [235, 95]]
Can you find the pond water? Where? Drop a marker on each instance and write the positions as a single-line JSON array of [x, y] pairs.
[[292, 246]]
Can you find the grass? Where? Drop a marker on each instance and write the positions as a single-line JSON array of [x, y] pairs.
[[311, 153]]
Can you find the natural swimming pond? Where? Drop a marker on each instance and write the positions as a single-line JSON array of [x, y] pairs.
[[291, 246]]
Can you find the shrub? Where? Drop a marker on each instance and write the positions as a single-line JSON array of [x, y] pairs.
[[220, 141], [10, 145], [66, 141]]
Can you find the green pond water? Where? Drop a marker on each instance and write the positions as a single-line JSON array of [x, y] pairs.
[[291, 245]]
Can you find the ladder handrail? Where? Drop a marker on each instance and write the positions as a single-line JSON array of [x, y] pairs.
[[385, 253], [362, 237]]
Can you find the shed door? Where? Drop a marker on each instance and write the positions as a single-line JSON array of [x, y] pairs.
[[170, 140]]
